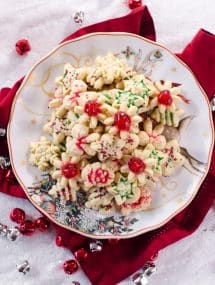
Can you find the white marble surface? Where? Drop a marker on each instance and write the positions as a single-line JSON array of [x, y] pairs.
[[44, 23]]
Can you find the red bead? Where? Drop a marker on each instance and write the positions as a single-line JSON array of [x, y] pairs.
[[113, 241], [92, 108], [165, 98], [10, 177], [132, 4], [27, 228], [136, 165], [17, 215], [22, 46], [69, 170], [42, 224], [59, 241], [70, 266], [122, 121], [81, 254]]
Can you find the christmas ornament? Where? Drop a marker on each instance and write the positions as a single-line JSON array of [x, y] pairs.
[[10, 177], [141, 278], [2, 132], [79, 17], [17, 215], [132, 4], [4, 162], [213, 103], [149, 268], [22, 46], [59, 241], [13, 234], [95, 245], [70, 266], [81, 254], [27, 228], [23, 267], [3, 230], [42, 224], [113, 241]]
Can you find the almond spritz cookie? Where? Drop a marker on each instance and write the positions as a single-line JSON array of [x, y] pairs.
[[105, 136]]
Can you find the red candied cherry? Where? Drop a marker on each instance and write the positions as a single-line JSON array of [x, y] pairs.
[[122, 121], [92, 108], [165, 98], [69, 170], [136, 165], [70, 266], [17, 215]]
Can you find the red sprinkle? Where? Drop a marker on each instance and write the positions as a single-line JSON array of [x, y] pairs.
[[80, 142], [92, 108], [136, 165], [98, 176], [69, 170], [165, 98], [122, 121]]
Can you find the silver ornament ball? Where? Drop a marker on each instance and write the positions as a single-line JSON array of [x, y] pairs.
[[213, 103], [139, 279], [78, 17], [13, 234], [149, 268], [4, 162], [95, 245], [23, 267], [2, 132], [3, 230]]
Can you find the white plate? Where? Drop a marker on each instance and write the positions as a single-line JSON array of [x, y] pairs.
[[30, 112]]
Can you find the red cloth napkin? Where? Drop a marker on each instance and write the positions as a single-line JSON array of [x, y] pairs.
[[117, 262]]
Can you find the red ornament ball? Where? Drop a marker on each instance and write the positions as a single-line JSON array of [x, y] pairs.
[[59, 241], [92, 108], [122, 121], [70, 266], [27, 228], [42, 224], [132, 4], [22, 46], [81, 254], [17, 215], [136, 165], [165, 98], [69, 170]]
